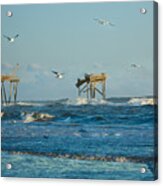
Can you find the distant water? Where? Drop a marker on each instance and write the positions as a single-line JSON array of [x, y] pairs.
[[98, 139]]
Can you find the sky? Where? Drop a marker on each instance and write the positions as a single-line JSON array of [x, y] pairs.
[[66, 38]]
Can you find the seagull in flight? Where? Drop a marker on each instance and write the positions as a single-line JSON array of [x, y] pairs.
[[11, 39], [135, 66], [103, 22], [58, 74]]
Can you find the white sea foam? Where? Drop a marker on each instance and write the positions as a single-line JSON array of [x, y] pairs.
[[31, 117], [77, 134], [81, 101], [117, 134], [29, 104], [23, 103], [85, 101], [142, 101], [132, 102]]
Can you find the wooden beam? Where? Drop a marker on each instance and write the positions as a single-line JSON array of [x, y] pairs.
[[94, 91], [4, 93], [82, 89], [15, 92], [104, 89], [2, 99], [10, 95], [79, 91], [9, 78], [99, 91], [91, 81], [87, 91]]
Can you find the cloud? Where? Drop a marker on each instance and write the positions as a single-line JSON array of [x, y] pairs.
[[34, 73], [34, 67], [6, 68]]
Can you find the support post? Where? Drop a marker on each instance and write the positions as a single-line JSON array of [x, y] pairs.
[[87, 91], [79, 92], [94, 90], [15, 92], [89, 85], [2, 99], [103, 89], [4, 93], [91, 91], [10, 95]]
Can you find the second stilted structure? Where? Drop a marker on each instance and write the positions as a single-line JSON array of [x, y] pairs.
[[92, 84], [9, 86]]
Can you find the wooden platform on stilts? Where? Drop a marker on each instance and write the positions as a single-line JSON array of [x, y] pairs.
[[13, 84], [89, 84]]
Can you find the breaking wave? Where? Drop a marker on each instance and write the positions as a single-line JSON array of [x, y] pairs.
[[142, 101], [29, 104], [23, 103], [130, 102], [85, 101]]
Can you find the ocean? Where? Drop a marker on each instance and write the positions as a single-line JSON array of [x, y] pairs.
[[80, 139]]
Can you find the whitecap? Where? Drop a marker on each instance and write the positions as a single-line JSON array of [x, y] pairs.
[[29, 104], [142, 101], [31, 117], [85, 101], [117, 134], [77, 134]]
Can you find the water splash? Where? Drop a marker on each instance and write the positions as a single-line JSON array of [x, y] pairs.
[[142, 101]]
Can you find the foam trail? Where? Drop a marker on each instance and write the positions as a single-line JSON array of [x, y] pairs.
[[29, 104], [86, 157]]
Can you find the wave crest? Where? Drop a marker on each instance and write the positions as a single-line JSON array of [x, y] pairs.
[[85, 101], [142, 101], [29, 104]]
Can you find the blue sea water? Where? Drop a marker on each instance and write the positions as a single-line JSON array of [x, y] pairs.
[[111, 139]]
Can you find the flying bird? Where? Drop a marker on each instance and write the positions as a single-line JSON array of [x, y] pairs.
[[135, 66], [11, 39], [103, 22], [58, 74]]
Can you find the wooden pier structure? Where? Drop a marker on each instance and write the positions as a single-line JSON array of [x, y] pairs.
[[12, 81], [89, 84]]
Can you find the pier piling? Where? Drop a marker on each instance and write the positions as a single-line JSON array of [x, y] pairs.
[[89, 84], [13, 84]]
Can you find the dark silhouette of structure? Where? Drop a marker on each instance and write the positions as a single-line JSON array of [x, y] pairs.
[[89, 84]]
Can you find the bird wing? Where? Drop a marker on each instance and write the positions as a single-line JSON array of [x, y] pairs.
[[17, 35], [111, 24], [133, 65], [100, 21], [54, 72], [6, 37]]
